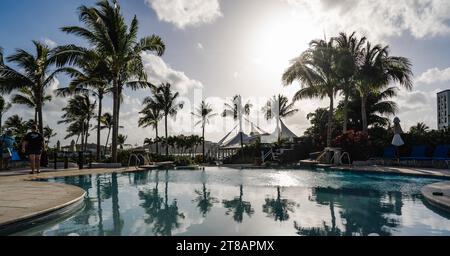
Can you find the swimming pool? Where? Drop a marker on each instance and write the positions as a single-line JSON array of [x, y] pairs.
[[223, 201]]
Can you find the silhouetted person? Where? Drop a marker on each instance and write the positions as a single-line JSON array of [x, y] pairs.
[[32, 145]]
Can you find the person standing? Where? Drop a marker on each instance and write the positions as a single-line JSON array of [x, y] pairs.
[[7, 141], [397, 141], [32, 145]]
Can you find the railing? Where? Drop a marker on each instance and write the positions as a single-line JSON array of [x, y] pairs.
[[348, 158], [138, 161], [265, 156], [80, 158]]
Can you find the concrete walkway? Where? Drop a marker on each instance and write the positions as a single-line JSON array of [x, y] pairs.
[[438, 194], [24, 200]]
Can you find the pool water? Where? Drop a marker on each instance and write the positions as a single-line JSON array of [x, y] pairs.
[[222, 201]]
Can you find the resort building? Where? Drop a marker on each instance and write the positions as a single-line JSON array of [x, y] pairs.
[[443, 109]]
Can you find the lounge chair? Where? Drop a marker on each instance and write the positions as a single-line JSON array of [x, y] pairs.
[[418, 153], [441, 154], [389, 154]]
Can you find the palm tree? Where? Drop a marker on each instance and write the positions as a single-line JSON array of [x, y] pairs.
[[237, 110], [18, 126], [4, 107], [152, 114], [349, 51], [419, 129], [89, 78], [49, 133], [376, 71], [378, 108], [315, 69], [282, 105], [204, 112], [80, 109], [167, 101], [34, 74], [121, 140], [29, 98], [106, 30]]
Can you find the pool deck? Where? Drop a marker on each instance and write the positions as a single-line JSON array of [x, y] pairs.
[[442, 198], [23, 199]]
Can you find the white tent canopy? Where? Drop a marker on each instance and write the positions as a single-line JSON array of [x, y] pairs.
[[283, 133]]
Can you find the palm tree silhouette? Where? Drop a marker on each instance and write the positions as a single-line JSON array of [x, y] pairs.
[[238, 206], [278, 208]]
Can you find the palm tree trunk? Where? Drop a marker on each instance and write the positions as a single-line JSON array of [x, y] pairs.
[[344, 130], [167, 146], [116, 99], [1, 122], [87, 136], [82, 136], [107, 139], [330, 121], [157, 143], [364, 114], [203, 136], [41, 121], [100, 98], [35, 116]]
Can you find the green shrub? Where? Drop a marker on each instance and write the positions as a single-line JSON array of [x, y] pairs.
[[183, 161]]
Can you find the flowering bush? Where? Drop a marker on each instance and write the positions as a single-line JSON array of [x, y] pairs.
[[357, 144]]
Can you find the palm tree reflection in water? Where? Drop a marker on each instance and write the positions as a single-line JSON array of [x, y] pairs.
[[238, 206], [204, 200], [363, 212], [278, 208], [165, 217]]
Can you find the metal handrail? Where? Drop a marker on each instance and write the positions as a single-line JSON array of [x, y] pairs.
[[348, 158], [138, 161]]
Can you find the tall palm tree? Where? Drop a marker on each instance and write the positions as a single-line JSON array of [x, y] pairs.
[[282, 105], [349, 52], [376, 71], [80, 109], [168, 102], [237, 110], [106, 30], [152, 114], [205, 113], [34, 73], [4, 107], [316, 71], [89, 78], [29, 98]]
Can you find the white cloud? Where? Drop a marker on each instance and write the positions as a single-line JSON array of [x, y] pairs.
[[417, 106], [183, 13], [50, 43], [434, 75], [379, 18], [159, 72]]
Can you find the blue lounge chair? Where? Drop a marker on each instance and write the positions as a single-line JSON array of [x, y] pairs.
[[441, 154], [418, 153], [389, 154]]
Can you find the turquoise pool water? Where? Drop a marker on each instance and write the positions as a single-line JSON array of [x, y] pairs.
[[222, 201]]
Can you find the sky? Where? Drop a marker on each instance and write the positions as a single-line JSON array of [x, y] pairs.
[[216, 49]]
